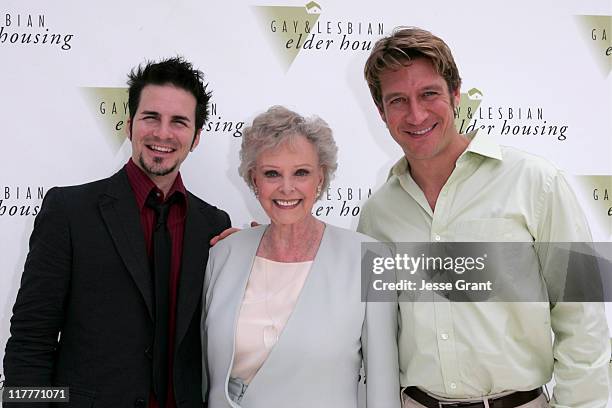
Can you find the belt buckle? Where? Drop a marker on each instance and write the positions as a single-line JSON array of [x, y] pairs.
[[442, 404]]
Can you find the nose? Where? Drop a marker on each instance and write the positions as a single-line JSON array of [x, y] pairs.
[[287, 185], [162, 130], [416, 113]]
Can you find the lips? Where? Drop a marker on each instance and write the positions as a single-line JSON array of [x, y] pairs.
[[421, 132], [286, 204], [161, 149]]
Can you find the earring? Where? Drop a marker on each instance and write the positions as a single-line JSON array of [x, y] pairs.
[[318, 190], [256, 192]]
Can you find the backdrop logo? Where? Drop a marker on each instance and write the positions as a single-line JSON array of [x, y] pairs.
[[218, 124], [31, 30], [597, 193], [468, 104], [596, 31], [341, 201], [20, 201], [471, 115], [296, 29], [110, 106]]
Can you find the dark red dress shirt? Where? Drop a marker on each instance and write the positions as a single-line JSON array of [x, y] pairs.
[[142, 186]]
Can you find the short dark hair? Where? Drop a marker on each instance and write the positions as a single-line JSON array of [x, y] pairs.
[[175, 71]]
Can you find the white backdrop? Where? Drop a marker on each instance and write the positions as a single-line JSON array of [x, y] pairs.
[[62, 93]]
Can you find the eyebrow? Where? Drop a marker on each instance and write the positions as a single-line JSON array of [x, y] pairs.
[[156, 114], [434, 87], [271, 166], [150, 113], [181, 117], [392, 95]]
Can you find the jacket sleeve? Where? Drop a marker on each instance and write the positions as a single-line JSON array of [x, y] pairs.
[[38, 313], [210, 272], [203, 336], [379, 342]]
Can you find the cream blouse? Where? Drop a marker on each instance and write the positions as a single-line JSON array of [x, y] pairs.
[[269, 300]]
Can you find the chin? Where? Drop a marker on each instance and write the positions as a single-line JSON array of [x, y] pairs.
[[421, 152], [157, 169]]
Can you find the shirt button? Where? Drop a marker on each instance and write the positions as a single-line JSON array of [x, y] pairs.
[[437, 238], [453, 385], [444, 336]]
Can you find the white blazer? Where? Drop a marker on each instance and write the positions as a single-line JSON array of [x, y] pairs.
[[317, 359]]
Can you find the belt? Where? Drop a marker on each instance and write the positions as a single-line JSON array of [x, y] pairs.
[[513, 400]]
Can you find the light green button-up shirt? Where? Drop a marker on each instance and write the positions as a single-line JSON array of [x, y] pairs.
[[460, 350]]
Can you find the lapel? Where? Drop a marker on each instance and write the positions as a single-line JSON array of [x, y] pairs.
[[313, 288], [120, 213], [198, 232], [236, 271]]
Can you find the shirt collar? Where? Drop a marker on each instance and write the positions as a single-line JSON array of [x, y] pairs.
[[142, 185], [479, 144], [483, 145]]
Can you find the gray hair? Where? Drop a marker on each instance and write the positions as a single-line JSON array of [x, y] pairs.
[[280, 125]]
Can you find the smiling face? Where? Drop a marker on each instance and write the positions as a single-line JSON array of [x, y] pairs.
[[163, 131], [287, 178], [418, 109]]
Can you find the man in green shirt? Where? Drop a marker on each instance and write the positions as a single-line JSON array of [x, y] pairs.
[[454, 187]]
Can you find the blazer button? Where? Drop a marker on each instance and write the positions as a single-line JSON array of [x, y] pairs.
[[148, 353], [139, 403]]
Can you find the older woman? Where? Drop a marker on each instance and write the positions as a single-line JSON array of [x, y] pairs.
[[284, 324]]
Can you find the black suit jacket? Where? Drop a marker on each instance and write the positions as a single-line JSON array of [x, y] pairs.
[[86, 279]]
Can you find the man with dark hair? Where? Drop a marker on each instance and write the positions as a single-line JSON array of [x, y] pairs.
[[110, 297], [450, 187], [173, 71]]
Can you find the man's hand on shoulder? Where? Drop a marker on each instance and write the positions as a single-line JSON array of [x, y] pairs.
[[226, 233]]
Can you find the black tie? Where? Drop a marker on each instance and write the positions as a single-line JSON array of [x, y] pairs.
[[162, 253]]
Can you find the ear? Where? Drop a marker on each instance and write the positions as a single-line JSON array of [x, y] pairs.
[[456, 96], [253, 179], [321, 176], [196, 140], [128, 129]]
